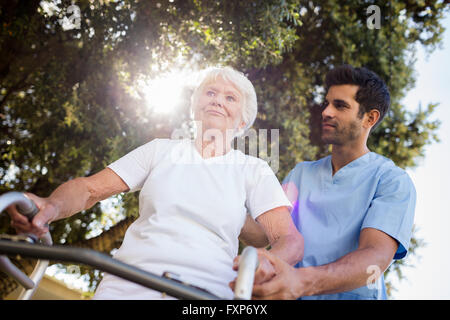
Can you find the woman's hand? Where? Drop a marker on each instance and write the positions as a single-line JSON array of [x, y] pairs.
[[265, 270], [263, 273], [39, 225]]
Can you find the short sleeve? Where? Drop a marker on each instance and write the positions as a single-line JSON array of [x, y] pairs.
[[263, 190], [392, 209], [135, 166]]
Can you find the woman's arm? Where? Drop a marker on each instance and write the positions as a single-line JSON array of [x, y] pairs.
[[282, 235], [252, 234], [275, 228], [69, 198], [83, 193], [285, 240]]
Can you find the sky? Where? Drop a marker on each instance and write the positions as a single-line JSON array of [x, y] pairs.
[[429, 278]]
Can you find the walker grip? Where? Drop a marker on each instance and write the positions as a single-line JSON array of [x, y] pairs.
[[27, 207]]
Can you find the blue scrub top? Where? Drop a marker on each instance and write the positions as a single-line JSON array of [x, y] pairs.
[[330, 211]]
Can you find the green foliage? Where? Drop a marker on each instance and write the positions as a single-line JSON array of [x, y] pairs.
[[68, 108], [403, 135]]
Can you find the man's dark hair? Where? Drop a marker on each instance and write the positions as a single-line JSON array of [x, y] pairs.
[[372, 92]]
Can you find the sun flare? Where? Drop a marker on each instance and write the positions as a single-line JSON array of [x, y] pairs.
[[165, 93]]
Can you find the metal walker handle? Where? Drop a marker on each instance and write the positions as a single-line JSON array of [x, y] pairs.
[[28, 208], [246, 274]]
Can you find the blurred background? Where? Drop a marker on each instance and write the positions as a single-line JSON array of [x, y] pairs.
[[84, 82]]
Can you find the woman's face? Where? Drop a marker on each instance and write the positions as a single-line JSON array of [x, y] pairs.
[[218, 105]]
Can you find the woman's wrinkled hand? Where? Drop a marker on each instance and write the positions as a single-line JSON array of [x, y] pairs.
[[264, 272], [39, 225]]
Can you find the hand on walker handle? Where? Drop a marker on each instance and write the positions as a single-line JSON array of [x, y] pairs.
[[39, 224], [263, 273], [285, 285]]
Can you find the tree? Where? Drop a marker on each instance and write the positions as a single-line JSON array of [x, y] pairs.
[[69, 105]]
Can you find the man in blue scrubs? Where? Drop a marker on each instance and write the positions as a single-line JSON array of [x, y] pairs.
[[354, 208]]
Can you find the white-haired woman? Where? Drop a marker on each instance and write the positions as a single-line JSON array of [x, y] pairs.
[[194, 198]]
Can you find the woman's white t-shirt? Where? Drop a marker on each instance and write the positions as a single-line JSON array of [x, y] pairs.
[[191, 212]]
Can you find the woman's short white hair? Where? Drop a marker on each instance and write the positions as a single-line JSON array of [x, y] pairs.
[[245, 87]]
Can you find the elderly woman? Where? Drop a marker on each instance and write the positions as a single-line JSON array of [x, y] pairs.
[[194, 198]]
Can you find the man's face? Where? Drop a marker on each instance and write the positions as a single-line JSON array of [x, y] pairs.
[[341, 123]]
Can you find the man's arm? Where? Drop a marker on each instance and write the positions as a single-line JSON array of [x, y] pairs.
[[376, 250]]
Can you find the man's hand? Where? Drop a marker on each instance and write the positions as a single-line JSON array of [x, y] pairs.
[[39, 224], [263, 273], [345, 274], [285, 285]]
